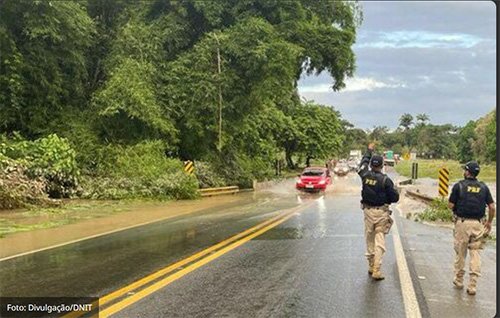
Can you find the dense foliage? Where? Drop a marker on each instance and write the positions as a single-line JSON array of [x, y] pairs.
[[123, 91], [50, 158], [437, 211], [475, 141], [17, 189], [106, 98]]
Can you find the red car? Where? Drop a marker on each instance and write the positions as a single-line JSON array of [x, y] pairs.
[[314, 178]]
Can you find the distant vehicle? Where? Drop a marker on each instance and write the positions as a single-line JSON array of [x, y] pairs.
[[355, 154], [313, 179], [355, 157], [353, 164], [389, 158], [342, 169]]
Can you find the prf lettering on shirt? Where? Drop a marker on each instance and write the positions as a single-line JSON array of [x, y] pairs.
[[370, 182], [473, 189]]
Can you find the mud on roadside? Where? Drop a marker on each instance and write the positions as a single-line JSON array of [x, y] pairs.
[[410, 208]]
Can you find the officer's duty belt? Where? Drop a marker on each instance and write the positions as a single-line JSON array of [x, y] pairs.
[[463, 219]]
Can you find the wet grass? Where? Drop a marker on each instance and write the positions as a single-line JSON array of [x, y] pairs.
[[430, 168], [9, 227], [72, 211], [437, 211]]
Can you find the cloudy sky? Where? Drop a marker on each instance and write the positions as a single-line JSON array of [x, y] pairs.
[[437, 58]]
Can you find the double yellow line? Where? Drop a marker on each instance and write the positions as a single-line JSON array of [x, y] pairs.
[[213, 253]]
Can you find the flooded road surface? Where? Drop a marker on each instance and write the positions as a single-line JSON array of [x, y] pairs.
[[96, 266], [302, 257], [101, 219]]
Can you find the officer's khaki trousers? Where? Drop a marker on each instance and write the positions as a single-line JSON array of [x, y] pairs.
[[468, 235], [377, 223]]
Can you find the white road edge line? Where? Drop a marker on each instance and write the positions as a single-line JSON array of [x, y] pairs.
[[412, 308]]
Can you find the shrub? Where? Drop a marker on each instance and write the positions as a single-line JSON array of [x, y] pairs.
[[50, 158], [256, 168], [206, 175], [143, 160], [437, 211], [17, 190], [241, 170], [138, 171], [168, 186]]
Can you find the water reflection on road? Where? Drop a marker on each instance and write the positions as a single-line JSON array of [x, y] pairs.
[[97, 266]]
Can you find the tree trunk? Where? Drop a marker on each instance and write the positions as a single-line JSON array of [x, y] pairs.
[[289, 161], [308, 161]]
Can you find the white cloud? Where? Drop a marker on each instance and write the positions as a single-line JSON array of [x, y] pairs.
[[425, 80], [354, 84], [461, 75], [369, 84], [419, 39], [318, 88]]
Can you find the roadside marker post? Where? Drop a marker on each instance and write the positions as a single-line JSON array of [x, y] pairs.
[[444, 180], [414, 170], [189, 167]]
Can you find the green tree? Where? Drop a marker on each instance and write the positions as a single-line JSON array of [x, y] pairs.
[[319, 130], [483, 146], [405, 121], [437, 141], [491, 140], [129, 108], [422, 119], [355, 139], [42, 70], [390, 140], [113, 74], [465, 140], [378, 132]]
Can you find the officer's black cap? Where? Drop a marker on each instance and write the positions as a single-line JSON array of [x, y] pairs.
[[472, 167], [377, 161]]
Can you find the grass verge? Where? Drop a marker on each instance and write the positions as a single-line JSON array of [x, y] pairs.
[[437, 211], [430, 168]]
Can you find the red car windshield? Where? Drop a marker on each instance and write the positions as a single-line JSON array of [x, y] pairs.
[[312, 173]]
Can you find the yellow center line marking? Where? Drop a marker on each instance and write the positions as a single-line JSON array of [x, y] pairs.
[[76, 314], [166, 281], [151, 277], [145, 280]]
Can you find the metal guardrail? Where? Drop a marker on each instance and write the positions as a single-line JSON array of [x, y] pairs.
[[425, 198], [208, 192]]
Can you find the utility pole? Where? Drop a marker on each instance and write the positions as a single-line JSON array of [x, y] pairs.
[[220, 93]]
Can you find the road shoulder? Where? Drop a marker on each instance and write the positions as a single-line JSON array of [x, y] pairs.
[[22, 243]]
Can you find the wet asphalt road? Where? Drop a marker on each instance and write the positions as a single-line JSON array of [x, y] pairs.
[[312, 265], [430, 251], [98, 266]]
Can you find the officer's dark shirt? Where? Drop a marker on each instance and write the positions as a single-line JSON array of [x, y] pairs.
[[470, 204], [375, 195]]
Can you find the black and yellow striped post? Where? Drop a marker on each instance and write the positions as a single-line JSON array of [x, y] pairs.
[[444, 180], [189, 167]]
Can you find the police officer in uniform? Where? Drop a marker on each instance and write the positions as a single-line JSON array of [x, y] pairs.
[[468, 200], [377, 194]]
